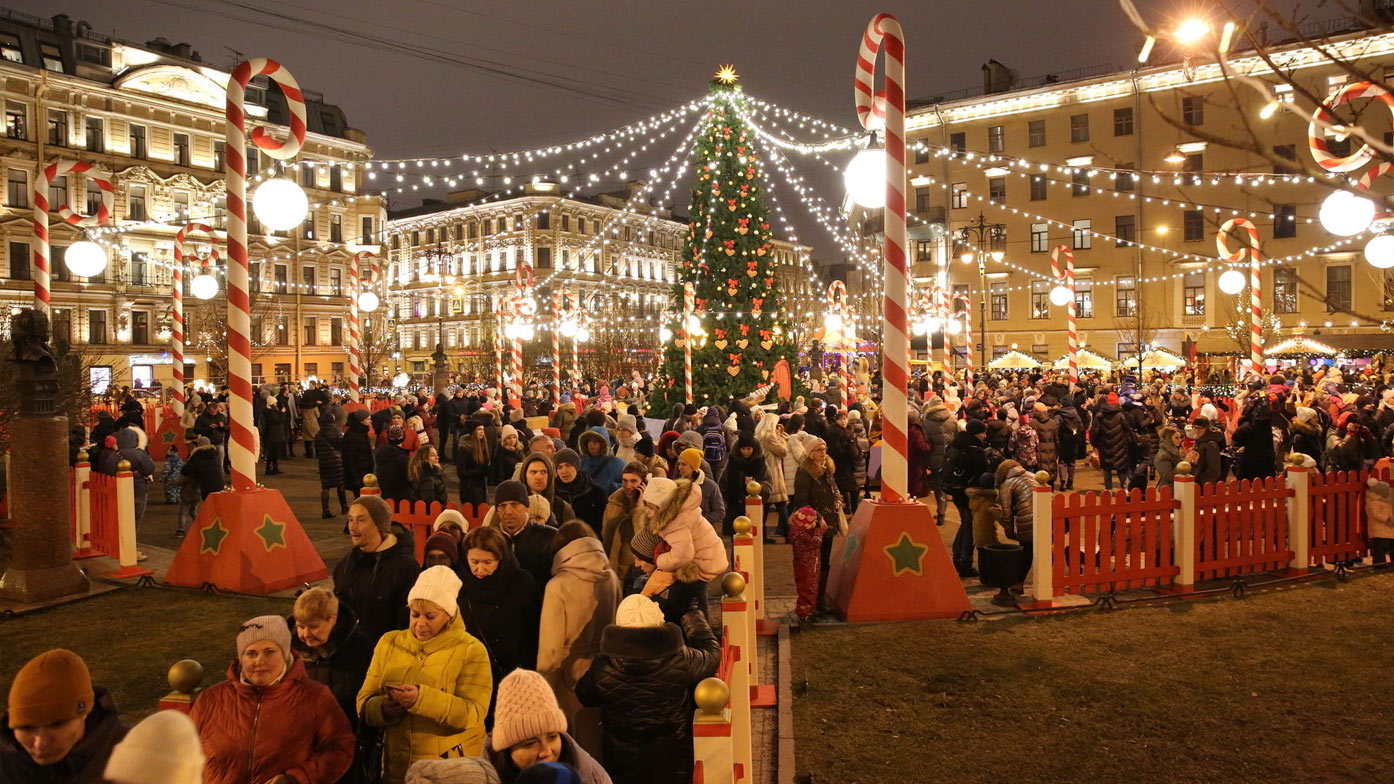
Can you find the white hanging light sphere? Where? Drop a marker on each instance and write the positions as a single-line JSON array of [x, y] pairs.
[[567, 328], [865, 178], [1059, 296], [583, 334], [694, 325], [204, 286], [1232, 281], [921, 327], [85, 258], [526, 331], [401, 380], [368, 302], [954, 327], [1343, 213], [280, 204], [664, 334], [1380, 251], [510, 331], [934, 324], [833, 322]]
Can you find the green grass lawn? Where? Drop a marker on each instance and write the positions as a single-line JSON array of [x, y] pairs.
[[1285, 686], [129, 638]]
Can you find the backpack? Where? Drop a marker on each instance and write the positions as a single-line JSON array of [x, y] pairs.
[[955, 469], [714, 446]]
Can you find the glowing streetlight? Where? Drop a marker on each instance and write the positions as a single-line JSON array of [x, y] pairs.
[[280, 204], [1191, 31], [1380, 251], [1344, 214], [85, 258], [1059, 296], [865, 178], [1232, 281], [368, 302], [204, 285]]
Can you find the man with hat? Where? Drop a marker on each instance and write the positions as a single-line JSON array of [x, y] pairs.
[[59, 727], [531, 542]]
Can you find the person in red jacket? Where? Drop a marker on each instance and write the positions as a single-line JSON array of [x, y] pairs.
[[268, 722]]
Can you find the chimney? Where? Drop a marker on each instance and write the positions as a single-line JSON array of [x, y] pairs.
[[62, 24], [997, 78], [634, 186], [183, 50]]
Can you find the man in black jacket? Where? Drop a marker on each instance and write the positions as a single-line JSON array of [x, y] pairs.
[[575, 487], [378, 573], [965, 462], [532, 543]]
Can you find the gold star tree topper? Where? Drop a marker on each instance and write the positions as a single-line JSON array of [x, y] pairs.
[[726, 74]]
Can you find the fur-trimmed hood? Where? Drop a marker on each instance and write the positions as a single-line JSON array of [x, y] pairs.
[[693, 540]]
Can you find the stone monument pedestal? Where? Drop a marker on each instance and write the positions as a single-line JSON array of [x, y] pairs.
[[41, 568]]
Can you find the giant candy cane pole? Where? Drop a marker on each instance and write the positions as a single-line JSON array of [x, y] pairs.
[[502, 317], [967, 313], [177, 330], [523, 311], [1250, 249], [689, 296], [884, 32], [242, 449], [556, 348], [47, 175], [355, 366], [1066, 278]]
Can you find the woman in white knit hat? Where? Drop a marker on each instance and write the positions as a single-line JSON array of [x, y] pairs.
[[162, 749], [429, 684], [530, 727]]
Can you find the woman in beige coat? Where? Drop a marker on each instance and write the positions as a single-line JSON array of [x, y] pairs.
[[579, 603], [774, 442]]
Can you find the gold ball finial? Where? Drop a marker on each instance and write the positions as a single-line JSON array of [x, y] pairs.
[[185, 675], [1042, 478], [753, 488], [1183, 468], [741, 525], [82, 456], [733, 585], [124, 465], [1296, 459], [712, 694], [370, 480]]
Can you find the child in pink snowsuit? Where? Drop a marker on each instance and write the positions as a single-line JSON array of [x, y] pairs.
[[806, 536]]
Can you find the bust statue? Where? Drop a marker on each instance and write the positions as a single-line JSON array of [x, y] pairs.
[[38, 369]]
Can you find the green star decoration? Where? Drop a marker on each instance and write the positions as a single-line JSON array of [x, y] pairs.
[[906, 556], [167, 436], [851, 548], [272, 533], [213, 537]]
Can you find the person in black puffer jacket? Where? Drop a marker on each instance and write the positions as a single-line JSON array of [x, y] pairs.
[[842, 448], [740, 469], [500, 604], [204, 467], [576, 488], [356, 449], [1254, 436], [391, 461], [642, 681], [328, 442], [336, 652], [378, 573], [1112, 435], [966, 461]]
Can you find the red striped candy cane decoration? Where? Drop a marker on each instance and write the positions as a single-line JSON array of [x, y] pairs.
[[1252, 250], [967, 313], [1316, 134], [355, 349], [505, 309], [556, 348], [242, 444], [102, 179], [523, 311], [874, 107], [177, 331], [689, 298], [1066, 278]]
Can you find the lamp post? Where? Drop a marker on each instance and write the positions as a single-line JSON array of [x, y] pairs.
[[201, 290], [986, 238], [85, 258]]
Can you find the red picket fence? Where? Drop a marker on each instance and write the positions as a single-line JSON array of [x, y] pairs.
[[1241, 527], [418, 518], [106, 536], [1336, 516], [1113, 540]]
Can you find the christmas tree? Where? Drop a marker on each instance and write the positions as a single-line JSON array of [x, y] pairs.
[[739, 333]]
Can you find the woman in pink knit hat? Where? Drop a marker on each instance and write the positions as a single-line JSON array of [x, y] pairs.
[[529, 727]]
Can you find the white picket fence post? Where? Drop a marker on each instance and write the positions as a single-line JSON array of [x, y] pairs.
[[1183, 528], [755, 510], [126, 522], [82, 495], [738, 633], [712, 755], [1299, 480], [1042, 544]]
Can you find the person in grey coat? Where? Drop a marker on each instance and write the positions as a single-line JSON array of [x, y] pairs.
[[940, 427], [127, 441]]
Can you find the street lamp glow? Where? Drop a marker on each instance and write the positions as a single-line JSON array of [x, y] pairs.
[[1191, 31], [368, 302], [401, 380], [85, 258], [1059, 296], [1380, 251], [280, 204], [1343, 213], [865, 178], [694, 325], [954, 327], [833, 323], [567, 328], [583, 334], [664, 334], [1231, 281], [204, 286]]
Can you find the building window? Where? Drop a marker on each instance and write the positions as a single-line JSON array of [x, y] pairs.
[[1193, 110], [960, 195], [922, 200], [336, 228], [336, 282], [1125, 297], [921, 154], [1192, 226], [181, 149], [140, 327], [58, 127], [1079, 182], [16, 120], [1195, 163], [998, 301], [96, 55], [995, 140], [96, 327], [336, 331], [282, 331], [94, 199], [311, 331], [58, 263], [96, 134], [1338, 292], [1081, 235], [9, 49], [1040, 299], [1123, 121], [1285, 290], [1040, 237], [280, 277], [1035, 133], [17, 188], [307, 175], [924, 250], [1079, 127], [366, 230], [958, 142], [543, 256], [138, 147], [307, 279], [1084, 298], [309, 226], [58, 192], [19, 261], [52, 57], [1126, 179], [1125, 229], [135, 203], [219, 155], [1193, 293], [336, 178], [139, 269], [1287, 152], [1038, 188], [253, 160], [997, 190], [181, 203], [544, 220], [1284, 221]]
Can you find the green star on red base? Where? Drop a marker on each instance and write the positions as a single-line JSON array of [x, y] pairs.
[[906, 555], [212, 537], [271, 533]]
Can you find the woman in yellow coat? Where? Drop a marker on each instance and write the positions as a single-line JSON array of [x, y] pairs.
[[428, 686]]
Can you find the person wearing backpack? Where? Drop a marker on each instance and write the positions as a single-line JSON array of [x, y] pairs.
[[965, 461], [715, 443]]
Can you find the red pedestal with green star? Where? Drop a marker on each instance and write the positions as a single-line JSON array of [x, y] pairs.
[[893, 566], [169, 433], [246, 541]]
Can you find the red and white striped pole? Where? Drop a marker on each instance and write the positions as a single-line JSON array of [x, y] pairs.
[[689, 298], [355, 350], [556, 348], [1066, 278], [177, 331], [242, 444], [888, 106], [1252, 250], [967, 313], [501, 318], [47, 174]]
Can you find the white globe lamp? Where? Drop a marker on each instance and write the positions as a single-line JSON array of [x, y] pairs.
[[368, 302], [204, 286], [567, 328], [401, 380], [280, 204], [954, 327], [85, 258], [865, 178], [833, 323], [583, 334], [1059, 296], [1231, 281], [694, 325], [1380, 251], [1343, 213], [664, 334], [526, 330]]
